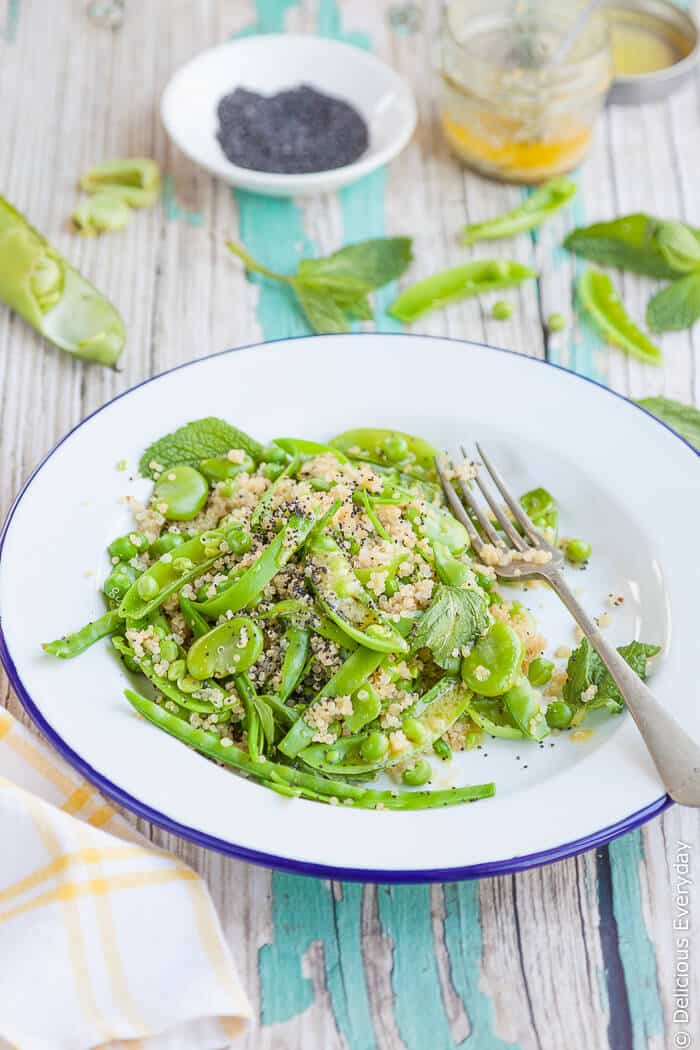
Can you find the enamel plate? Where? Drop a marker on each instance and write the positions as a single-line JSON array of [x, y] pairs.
[[624, 481]]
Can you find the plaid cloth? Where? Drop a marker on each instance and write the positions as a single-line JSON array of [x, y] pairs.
[[105, 941]]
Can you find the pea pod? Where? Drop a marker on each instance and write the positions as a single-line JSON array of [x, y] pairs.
[[193, 618], [597, 295], [102, 213], [366, 706], [171, 572], [349, 677], [252, 582], [52, 296], [344, 600], [451, 571], [135, 180], [492, 718], [289, 471], [299, 448], [232, 647], [296, 782], [74, 644], [389, 448], [189, 701], [533, 211], [460, 282], [523, 703], [294, 662]]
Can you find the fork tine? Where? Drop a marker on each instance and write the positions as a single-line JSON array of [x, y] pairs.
[[457, 508], [513, 505], [505, 523]]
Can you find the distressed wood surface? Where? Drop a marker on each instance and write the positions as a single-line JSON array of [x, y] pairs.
[[581, 954]]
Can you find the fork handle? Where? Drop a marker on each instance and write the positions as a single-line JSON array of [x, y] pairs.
[[675, 754]]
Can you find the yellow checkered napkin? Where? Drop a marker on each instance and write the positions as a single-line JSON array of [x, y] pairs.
[[104, 941]]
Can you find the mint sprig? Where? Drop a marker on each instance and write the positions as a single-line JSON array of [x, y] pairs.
[[198, 440]]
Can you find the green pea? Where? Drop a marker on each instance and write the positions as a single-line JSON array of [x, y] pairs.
[[502, 310], [122, 548], [187, 685], [272, 471], [180, 493], [169, 650], [493, 665], [442, 749], [239, 541], [320, 484], [556, 322], [230, 648], [177, 670], [119, 580], [414, 730], [146, 587], [333, 755], [395, 447], [374, 746], [577, 551], [166, 543], [391, 587], [274, 454], [559, 714], [540, 671], [419, 774], [182, 565]]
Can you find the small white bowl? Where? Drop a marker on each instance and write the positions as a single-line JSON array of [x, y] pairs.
[[268, 64]]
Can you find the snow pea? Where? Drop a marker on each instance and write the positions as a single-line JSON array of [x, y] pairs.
[[349, 677], [180, 493], [598, 297], [451, 570], [294, 662], [52, 296], [490, 716], [533, 211], [228, 649], [366, 706], [344, 600], [303, 449], [193, 618], [135, 180], [389, 448], [542, 510], [524, 704], [438, 525], [288, 472], [73, 644], [250, 585], [494, 663], [194, 701], [295, 782], [171, 572], [221, 468], [459, 282]]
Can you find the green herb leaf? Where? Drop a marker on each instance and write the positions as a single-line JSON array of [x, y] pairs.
[[201, 439], [459, 282], [321, 310], [676, 306], [679, 246], [684, 419], [542, 203], [628, 243], [600, 300], [455, 618], [586, 669], [366, 265]]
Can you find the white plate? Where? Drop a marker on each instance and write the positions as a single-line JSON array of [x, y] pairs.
[[269, 64], [624, 481]]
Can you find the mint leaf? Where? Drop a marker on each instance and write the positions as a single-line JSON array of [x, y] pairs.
[[321, 310], [585, 668], [676, 306], [365, 265], [679, 246], [201, 439], [628, 243], [455, 618], [684, 419]]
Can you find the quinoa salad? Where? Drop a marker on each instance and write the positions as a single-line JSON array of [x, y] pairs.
[[311, 615]]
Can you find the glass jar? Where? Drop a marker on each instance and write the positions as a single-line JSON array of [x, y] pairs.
[[512, 106]]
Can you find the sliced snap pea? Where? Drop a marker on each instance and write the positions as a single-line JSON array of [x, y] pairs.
[[494, 663], [389, 448], [102, 213], [459, 282], [366, 706], [247, 587], [345, 601], [492, 718], [533, 211], [451, 571], [73, 644], [228, 649], [134, 180], [192, 559], [525, 707], [294, 661], [221, 468], [180, 493], [597, 295], [302, 449], [194, 619]]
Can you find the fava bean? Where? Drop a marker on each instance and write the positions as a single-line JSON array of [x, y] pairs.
[[494, 663], [229, 649], [180, 493]]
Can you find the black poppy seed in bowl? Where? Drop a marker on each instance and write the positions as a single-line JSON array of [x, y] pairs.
[[295, 132]]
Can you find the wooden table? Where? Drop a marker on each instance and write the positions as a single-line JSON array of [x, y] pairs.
[[576, 955]]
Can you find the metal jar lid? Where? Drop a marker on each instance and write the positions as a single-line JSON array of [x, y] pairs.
[[663, 19]]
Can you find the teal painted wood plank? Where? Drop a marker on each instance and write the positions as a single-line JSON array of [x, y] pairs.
[[464, 950], [9, 30]]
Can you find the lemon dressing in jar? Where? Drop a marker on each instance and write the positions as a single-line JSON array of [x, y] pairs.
[[512, 105]]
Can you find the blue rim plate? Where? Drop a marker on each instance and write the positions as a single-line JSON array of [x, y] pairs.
[[542, 422]]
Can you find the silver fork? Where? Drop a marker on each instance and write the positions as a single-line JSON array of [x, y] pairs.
[[675, 754]]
